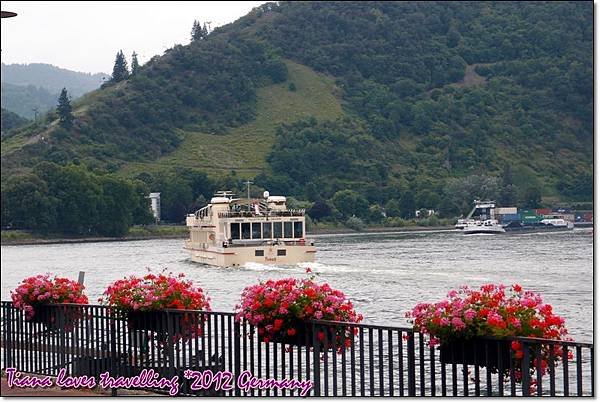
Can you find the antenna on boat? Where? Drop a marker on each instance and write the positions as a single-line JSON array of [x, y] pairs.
[[248, 183]]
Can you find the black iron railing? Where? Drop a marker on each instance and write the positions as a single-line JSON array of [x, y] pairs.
[[339, 359]]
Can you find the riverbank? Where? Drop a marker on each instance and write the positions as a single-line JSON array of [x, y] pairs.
[[17, 237], [138, 233]]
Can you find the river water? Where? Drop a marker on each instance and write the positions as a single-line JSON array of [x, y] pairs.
[[384, 274]]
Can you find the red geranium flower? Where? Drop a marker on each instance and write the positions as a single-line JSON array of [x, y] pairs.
[[288, 302]]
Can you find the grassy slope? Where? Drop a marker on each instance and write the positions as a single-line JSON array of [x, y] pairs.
[[245, 148]]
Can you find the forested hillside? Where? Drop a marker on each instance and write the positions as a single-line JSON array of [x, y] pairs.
[[26, 100], [11, 121], [27, 88], [389, 106]]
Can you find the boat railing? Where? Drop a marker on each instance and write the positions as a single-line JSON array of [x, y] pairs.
[[272, 213]]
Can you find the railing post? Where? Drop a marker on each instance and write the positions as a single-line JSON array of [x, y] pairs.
[[114, 355], [170, 343], [237, 366], [7, 332], [411, 364], [316, 361], [525, 378], [61, 320]]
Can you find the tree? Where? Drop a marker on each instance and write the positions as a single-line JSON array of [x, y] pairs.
[[319, 210], [508, 192], [532, 197], [375, 213], [27, 204], [392, 208], [350, 203], [116, 206], [64, 110], [120, 70], [135, 66], [198, 31]]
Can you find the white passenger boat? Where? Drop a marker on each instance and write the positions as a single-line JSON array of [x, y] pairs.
[[233, 232]]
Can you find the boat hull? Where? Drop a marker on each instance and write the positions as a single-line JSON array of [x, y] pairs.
[[472, 231], [536, 229], [238, 256]]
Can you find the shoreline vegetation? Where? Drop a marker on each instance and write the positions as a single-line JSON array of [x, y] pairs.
[[140, 233]]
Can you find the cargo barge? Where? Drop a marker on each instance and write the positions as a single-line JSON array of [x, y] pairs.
[[486, 218]]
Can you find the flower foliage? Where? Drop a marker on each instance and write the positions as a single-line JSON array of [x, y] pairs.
[[492, 310], [278, 307], [45, 289], [155, 292]]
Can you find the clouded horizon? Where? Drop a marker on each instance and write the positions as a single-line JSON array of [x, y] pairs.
[[85, 36]]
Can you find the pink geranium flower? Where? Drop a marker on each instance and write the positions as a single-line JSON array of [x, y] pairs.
[[492, 310], [46, 289]]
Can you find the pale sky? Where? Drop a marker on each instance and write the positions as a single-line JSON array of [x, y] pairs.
[[85, 36]]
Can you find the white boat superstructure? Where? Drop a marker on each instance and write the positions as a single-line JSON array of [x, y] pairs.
[[233, 232], [461, 223], [483, 227], [557, 223], [485, 222]]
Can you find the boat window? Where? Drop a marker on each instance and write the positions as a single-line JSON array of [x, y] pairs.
[[287, 229], [255, 230], [280, 252], [259, 252], [267, 230], [298, 233], [245, 230], [235, 230], [277, 232]]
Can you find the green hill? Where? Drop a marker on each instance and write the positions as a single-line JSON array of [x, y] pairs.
[[26, 87], [11, 121], [245, 148], [405, 103]]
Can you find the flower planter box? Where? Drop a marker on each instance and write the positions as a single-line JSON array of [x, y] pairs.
[[473, 352], [182, 325], [56, 318], [43, 314], [304, 336]]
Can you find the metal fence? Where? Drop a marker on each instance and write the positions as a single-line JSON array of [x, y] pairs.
[[340, 359]]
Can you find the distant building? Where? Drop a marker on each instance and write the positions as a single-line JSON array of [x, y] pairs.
[[429, 213], [155, 205]]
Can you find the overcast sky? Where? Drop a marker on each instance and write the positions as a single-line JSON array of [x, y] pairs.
[[85, 36]]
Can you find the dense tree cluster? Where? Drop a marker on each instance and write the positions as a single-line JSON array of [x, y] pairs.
[[344, 171], [199, 32], [401, 66], [71, 200], [11, 120]]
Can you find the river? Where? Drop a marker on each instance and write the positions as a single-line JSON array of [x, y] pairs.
[[384, 274]]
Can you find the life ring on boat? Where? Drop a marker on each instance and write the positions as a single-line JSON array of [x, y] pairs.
[[301, 241], [211, 237]]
